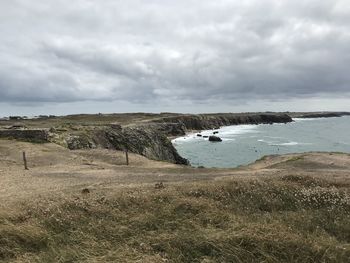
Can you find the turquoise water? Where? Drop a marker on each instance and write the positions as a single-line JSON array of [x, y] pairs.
[[243, 144]]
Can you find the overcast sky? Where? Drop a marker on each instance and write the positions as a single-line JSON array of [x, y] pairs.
[[59, 57]]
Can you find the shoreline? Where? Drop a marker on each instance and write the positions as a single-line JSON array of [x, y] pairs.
[[145, 134], [194, 132], [302, 117], [265, 146]]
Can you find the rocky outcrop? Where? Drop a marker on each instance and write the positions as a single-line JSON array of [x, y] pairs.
[[147, 141], [214, 139], [29, 135], [80, 141], [170, 129], [214, 121], [148, 138], [319, 114]]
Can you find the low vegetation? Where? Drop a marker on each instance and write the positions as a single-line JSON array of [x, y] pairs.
[[286, 219]]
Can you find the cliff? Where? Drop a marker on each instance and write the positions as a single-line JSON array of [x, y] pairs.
[[145, 140], [30, 135], [182, 123], [147, 135], [318, 114], [150, 138]]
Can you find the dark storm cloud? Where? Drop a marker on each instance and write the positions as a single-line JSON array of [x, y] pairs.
[[147, 51]]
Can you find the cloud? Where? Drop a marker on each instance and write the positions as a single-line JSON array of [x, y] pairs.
[[157, 51]]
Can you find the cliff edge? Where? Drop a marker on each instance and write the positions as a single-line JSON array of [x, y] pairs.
[[150, 138]]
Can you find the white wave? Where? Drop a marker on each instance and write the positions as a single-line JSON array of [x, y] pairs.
[[276, 143], [290, 144], [225, 133], [312, 119], [237, 130], [285, 144], [303, 119], [319, 118], [180, 140], [273, 137], [266, 141]]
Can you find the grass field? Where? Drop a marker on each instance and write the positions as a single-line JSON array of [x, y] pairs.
[[280, 209]]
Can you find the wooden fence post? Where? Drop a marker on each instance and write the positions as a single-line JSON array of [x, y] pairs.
[[25, 161], [127, 156]]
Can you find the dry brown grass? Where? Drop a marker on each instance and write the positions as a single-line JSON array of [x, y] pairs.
[[226, 221], [89, 119], [272, 211]]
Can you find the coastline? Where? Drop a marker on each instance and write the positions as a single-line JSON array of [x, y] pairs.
[[142, 133], [81, 205], [255, 141]]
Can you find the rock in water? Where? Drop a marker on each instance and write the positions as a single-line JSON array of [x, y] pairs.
[[199, 135], [215, 139]]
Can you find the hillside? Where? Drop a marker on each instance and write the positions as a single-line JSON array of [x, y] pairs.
[[88, 206]]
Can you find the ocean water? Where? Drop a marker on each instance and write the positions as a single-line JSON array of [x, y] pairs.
[[243, 144]]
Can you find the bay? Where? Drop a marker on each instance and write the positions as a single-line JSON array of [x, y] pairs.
[[244, 144]]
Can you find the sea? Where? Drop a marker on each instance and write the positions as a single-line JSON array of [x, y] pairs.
[[244, 144]]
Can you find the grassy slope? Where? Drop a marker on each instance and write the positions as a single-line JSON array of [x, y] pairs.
[[89, 119], [285, 219], [293, 208]]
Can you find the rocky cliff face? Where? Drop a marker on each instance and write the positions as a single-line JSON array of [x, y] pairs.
[[145, 140], [180, 124], [29, 135], [150, 138], [318, 114], [147, 137]]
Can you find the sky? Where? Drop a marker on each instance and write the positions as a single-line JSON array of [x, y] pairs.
[[85, 56]]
